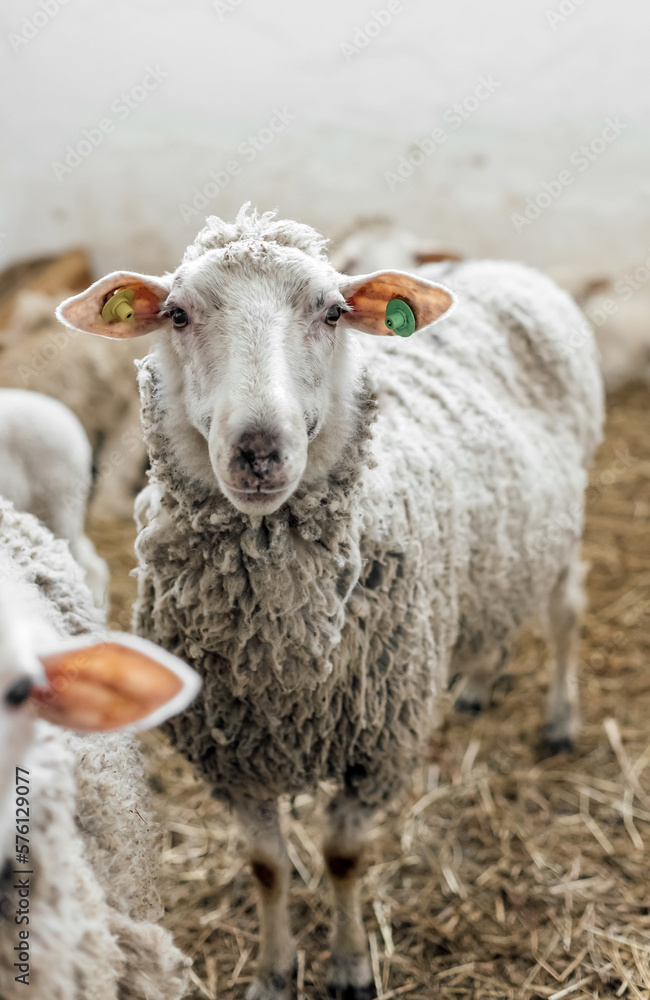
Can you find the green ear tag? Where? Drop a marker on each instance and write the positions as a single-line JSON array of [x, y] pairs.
[[119, 306], [400, 318]]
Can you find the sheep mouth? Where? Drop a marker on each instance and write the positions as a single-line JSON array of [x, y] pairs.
[[256, 491], [266, 501], [260, 500]]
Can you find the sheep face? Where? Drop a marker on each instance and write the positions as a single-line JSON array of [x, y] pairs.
[[259, 385], [257, 335], [261, 360]]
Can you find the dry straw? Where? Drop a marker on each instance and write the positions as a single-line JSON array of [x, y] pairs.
[[494, 875]]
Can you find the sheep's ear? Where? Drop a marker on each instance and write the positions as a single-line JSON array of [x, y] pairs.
[[121, 305], [122, 682], [435, 256], [375, 302]]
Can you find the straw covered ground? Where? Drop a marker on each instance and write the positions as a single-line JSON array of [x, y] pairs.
[[494, 875]]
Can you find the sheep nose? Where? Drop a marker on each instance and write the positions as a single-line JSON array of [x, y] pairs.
[[258, 460], [259, 465]]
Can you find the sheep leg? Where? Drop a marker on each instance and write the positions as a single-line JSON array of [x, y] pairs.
[[65, 519], [349, 975], [480, 676], [562, 711], [267, 852], [474, 697], [96, 570]]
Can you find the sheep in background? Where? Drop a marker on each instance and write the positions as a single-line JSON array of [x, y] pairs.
[[380, 244], [619, 310], [97, 384], [620, 315], [333, 523], [46, 470], [92, 838]]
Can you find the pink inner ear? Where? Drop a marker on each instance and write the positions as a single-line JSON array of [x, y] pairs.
[[84, 312], [146, 306], [369, 297], [147, 303], [103, 686]]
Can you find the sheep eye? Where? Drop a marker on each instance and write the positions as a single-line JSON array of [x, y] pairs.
[[179, 317], [333, 315], [19, 692]]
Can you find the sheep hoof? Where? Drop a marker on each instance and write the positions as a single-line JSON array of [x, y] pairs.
[[273, 986], [473, 697], [466, 706], [349, 978], [551, 746], [352, 992]]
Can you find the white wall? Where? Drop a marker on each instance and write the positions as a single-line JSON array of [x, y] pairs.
[[354, 118]]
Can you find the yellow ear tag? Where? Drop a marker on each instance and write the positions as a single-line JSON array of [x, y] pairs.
[[119, 307]]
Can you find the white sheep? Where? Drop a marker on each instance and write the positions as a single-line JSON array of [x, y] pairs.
[[78, 916], [46, 470], [336, 523], [620, 314], [97, 384], [379, 244]]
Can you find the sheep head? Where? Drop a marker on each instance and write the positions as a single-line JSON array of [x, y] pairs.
[[253, 326]]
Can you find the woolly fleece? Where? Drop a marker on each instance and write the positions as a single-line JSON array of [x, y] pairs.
[[94, 844], [325, 631]]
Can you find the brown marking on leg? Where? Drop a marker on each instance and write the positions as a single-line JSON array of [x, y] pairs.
[[271, 868], [349, 969], [265, 875], [341, 867]]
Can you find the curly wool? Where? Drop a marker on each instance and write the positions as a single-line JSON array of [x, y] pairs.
[[93, 842], [36, 557], [324, 632], [261, 607], [253, 231]]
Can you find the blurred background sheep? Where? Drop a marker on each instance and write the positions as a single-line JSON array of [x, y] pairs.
[[404, 128]]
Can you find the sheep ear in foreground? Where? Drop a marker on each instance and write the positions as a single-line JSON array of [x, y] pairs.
[[122, 682], [393, 303], [121, 305]]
